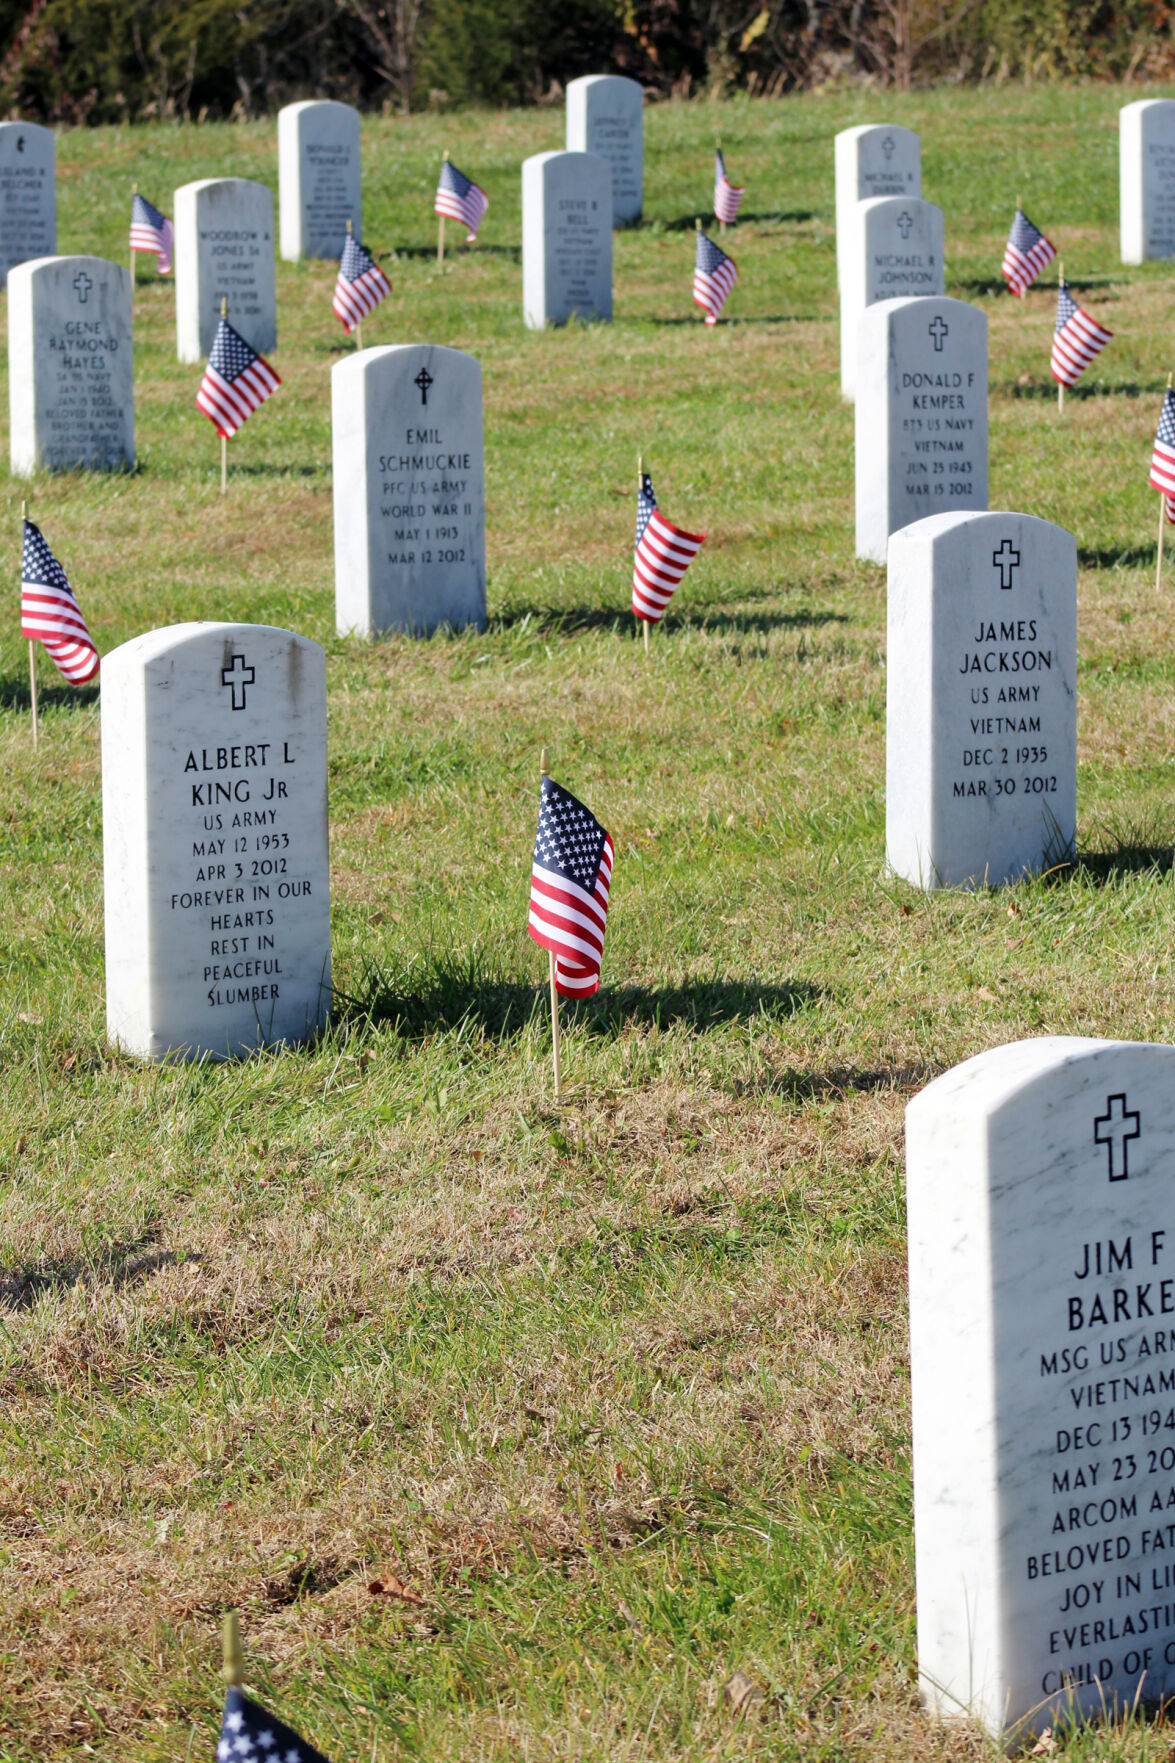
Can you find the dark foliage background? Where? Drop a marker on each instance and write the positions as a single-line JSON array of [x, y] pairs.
[[121, 60]]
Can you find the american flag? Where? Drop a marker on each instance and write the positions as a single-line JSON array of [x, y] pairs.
[[1025, 254], [49, 614], [151, 231], [249, 1735], [459, 198], [714, 276], [569, 884], [360, 287], [727, 196], [236, 382], [663, 554], [1162, 476], [1077, 340]]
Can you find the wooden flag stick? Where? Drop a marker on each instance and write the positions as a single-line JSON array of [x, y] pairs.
[[24, 514], [1060, 383], [358, 322], [640, 478], [441, 229], [233, 1671], [1162, 516], [721, 223], [545, 770], [223, 440]]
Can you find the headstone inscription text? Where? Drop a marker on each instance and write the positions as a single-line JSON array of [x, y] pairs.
[[895, 251], [409, 490], [71, 366], [921, 415], [215, 840], [566, 238], [318, 177], [605, 115], [875, 159], [1044, 1384], [1146, 175], [224, 250], [981, 699], [28, 194]]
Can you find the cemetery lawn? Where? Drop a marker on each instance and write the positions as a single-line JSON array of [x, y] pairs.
[[515, 1431]]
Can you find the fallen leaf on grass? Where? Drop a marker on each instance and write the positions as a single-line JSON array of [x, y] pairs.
[[742, 1695], [1044, 1744], [391, 1587], [989, 997]]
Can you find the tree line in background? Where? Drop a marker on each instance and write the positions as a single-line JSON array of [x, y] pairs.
[[100, 61]]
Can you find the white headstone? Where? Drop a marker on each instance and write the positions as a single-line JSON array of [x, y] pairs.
[[28, 194], [566, 238], [981, 699], [224, 250], [895, 251], [71, 365], [921, 416], [1146, 174], [606, 116], [318, 177], [1042, 1330], [214, 840], [409, 490], [873, 160]]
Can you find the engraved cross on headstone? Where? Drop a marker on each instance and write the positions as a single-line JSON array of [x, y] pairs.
[[424, 381], [887, 146], [905, 222], [939, 330], [238, 676], [83, 284], [1114, 1129], [1006, 559]]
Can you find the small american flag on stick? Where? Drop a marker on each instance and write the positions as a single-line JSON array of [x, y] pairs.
[[249, 1735], [49, 614], [236, 382], [662, 555], [1077, 340], [714, 276], [570, 880], [151, 231], [459, 198], [727, 196], [1025, 254], [360, 286], [1162, 477]]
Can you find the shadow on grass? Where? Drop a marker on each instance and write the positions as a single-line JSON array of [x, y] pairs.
[[264, 470], [14, 695], [1115, 556], [1100, 389], [764, 318], [120, 1264], [567, 621], [453, 253], [685, 223], [429, 999], [826, 1086], [1102, 867]]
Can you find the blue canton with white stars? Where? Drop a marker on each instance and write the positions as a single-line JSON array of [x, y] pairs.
[[249, 1735], [356, 261], [1066, 306], [710, 256], [570, 840], [1166, 432], [38, 566], [645, 504], [231, 355]]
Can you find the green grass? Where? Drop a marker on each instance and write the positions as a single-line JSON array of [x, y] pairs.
[[619, 1393]]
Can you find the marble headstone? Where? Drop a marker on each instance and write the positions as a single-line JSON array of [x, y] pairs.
[[71, 365], [214, 840], [981, 699], [409, 490], [921, 415], [875, 159], [566, 238], [894, 252], [28, 194], [605, 115], [318, 177], [1043, 1381], [1146, 175], [224, 250]]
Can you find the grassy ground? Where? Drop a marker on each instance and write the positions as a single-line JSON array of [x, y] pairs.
[[515, 1433]]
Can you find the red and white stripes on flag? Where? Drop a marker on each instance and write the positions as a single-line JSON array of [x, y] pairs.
[[570, 881], [727, 196], [360, 286], [714, 276], [49, 614], [236, 382], [1025, 254], [1077, 340], [1162, 477], [663, 554]]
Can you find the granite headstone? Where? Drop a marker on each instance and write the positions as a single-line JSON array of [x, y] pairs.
[[1043, 1382], [981, 699], [71, 366], [895, 251], [318, 177], [224, 250], [874, 159], [214, 810], [921, 415], [566, 238], [605, 115], [28, 194], [1146, 174], [409, 490]]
